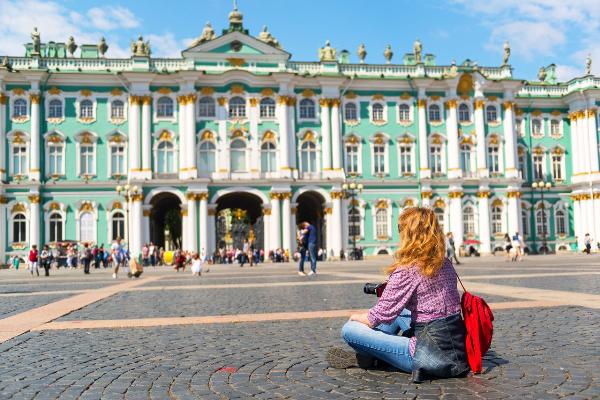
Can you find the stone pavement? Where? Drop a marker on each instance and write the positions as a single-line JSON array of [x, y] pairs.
[[263, 332]]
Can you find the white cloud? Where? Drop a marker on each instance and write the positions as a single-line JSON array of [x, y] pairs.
[[112, 18], [165, 45], [528, 39]]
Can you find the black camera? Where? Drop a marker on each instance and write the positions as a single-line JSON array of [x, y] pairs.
[[374, 288]]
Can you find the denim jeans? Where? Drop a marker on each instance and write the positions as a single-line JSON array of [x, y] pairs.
[[383, 342], [312, 250]]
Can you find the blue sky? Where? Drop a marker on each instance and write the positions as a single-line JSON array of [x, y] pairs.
[[540, 31]]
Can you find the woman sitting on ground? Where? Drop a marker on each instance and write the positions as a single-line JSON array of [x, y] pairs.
[[416, 326]]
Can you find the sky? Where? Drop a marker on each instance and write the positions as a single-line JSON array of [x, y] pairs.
[[540, 32]]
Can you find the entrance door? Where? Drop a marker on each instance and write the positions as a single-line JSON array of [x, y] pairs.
[[310, 209], [165, 221], [239, 219]]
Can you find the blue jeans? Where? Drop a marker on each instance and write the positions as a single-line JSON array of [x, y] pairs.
[[312, 250], [382, 342]]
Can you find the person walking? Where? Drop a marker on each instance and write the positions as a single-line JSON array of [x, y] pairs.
[[507, 246], [450, 248], [16, 260], [118, 256], [85, 255], [196, 265], [45, 260], [587, 241], [152, 251], [309, 248], [516, 243], [33, 260]]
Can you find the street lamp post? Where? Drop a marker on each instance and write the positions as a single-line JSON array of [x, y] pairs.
[[353, 189], [127, 191], [542, 186]]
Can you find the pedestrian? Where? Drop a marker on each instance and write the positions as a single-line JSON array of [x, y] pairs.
[[118, 256], [145, 255], [45, 260], [587, 241], [507, 246], [152, 251], [85, 256], [450, 248], [309, 243], [196, 265], [179, 260], [516, 243], [95, 256], [33, 260], [16, 261]]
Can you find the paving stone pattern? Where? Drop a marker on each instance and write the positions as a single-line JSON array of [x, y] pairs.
[[16, 304]]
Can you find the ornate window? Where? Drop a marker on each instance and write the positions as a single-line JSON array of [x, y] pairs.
[[464, 114], [87, 227], [165, 151], [469, 220], [467, 156], [439, 215], [379, 158], [237, 107], [405, 155], [496, 217], [117, 110], [377, 112], [435, 159], [404, 113], [560, 219], [520, 127], [118, 225], [555, 130], [352, 157], [434, 113], [19, 225], [307, 109], [56, 158], [538, 165], [55, 109], [354, 220], [381, 223], [558, 169], [268, 157], [536, 128], [541, 222], [350, 112], [86, 109], [491, 114], [522, 162], [525, 221], [207, 107], [56, 227], [117, 160], [494, 158], [20, 108], [238, 155], [87, 163], [267, 108], [19, 158], [207, 156], [165, 107], [308, 157]]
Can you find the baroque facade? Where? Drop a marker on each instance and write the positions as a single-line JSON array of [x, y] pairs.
[[235, 140]]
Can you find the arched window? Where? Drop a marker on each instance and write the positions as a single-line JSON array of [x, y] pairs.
[[491, 114], [538, 166], [557, 167], [19, 228], [520, 125], [207, 107], [207, 156], [86, 159], [466, 154], [268, 158], [377, 112], [307, 109], [525, 221], [238, 155], [56, 227], [379, 158], [118, 225], [308, 157], [555, 128], [404, 112], [20, 108], [267, 108], [439, 215], [536, 128], [354, 222], [55, 158], [117, 109], [55, 109], [166, 158], [560, 219], [19, 159], [469, 220], [522, 163], [237, 107], [350, 112], [496, 220], [464, 115], [352, 158], [405, 155], [164, 107], [434, 113], [381, 223], [541, 223], [494, 158], [86, 109], [86, 227], [117, 159], [435, 159]]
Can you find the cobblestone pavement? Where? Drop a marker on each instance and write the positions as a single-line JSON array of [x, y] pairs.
[[547, 351]]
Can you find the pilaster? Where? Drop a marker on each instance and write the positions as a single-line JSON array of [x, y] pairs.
[[35, 219], [34, 151], [425, 171], [134, 136], [456, 215], [136, 224], [452, 140], [514, 212], [510, 141], [484, 220], [146, 171], [3, 163], [482, 169], [325, 136], [275, 237]]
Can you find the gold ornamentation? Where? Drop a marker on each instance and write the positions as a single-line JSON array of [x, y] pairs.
[[116, 91], [508, 105], [135, 100], [237, 133], [336, 195], [483, 194], [34, 198], [190, 196], [328, 210], [556, 113], [267, 92], [54, 90], [406, 139], [378, 96], [164, 90], [334, 102], [86, 92], [536, 113], [308, 93], [350, 95], [34, 98], [3, 98], [352, 139], [409, 203], [493, 139], [436, 139], [538, 151], [309, 136], [146, 213], [381, 203], [236, 62], [466, 140], [591, 112], [165, 135], [493, 98], [253, 102], [86, 206], [518, 111], [274, 196], [19, 207], [237, 89], [117, 205], [18, 138], [184, 213], [455, 195], [202, 196], [497, 203], [405, 96], [182, 100], [558, 151], [513, 194], [285, 195], [434, 98], [479, 104], [207, 135], [439, 203], [266, 211], [18, 91], [137, 197], [422, 103], [324, 102], [451, 103], [3, 199], [379, 138], [146, 100], [291, 101], [212, 211], [465, 85], [207, 91], [222, 101], [268, 136]]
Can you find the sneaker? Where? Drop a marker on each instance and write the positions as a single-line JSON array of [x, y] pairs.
[[114, 276], [341, 359], [301, 273], [311, 273]]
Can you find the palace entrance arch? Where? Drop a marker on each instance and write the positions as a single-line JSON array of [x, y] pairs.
[[165, 221], [239, 217], [310, 209]]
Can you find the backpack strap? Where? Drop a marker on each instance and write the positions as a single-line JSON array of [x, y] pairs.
[[458, 277]]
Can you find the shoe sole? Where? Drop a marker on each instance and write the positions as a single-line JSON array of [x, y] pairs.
[[341, 359]]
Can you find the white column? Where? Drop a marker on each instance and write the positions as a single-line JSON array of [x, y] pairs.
[[587, 217], [183, 153], [190, 136], [596, 214], [456, 217], [328, 211], [134, 135], [345, 235], [575, 157], [136, 224], [585, 140], [325, 134], [253, 117], [484, 221], [336, 228], [275, 221], [480, 134], [35, 220], [452, 131], [192, 222], [592, 135], [3, 163], [284, 158], [581, 150], [204, 242], [34, 151], [578, 225], [146, 138], [223, 157], [425, 171], [185, 237], [267, 231], [514, 213], [3, 227], [336, 135], [146, 210], [510, 142], [292, 133], [426, 198], [212, 238], [286, 216]]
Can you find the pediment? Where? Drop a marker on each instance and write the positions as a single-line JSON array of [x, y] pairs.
[[235, 45]]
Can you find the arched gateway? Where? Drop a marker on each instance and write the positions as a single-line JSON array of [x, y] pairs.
[[239, 218]]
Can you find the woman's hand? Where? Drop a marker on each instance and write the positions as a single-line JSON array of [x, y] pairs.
[[362, 318]]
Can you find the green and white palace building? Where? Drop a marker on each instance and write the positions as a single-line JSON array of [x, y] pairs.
[[234, 140]]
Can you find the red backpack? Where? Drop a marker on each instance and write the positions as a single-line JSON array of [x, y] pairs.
[[478, 322]]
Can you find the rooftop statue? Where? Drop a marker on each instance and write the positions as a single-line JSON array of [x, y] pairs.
[[362, 53], [235, 17], [327, 53], [208, 33], [71, 46], [506, 55], [388, 54], [35, 39], [452, 71], [266, 37], [102, 47], [140, 48], [418, 49], [542, 74], [588, 65]]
